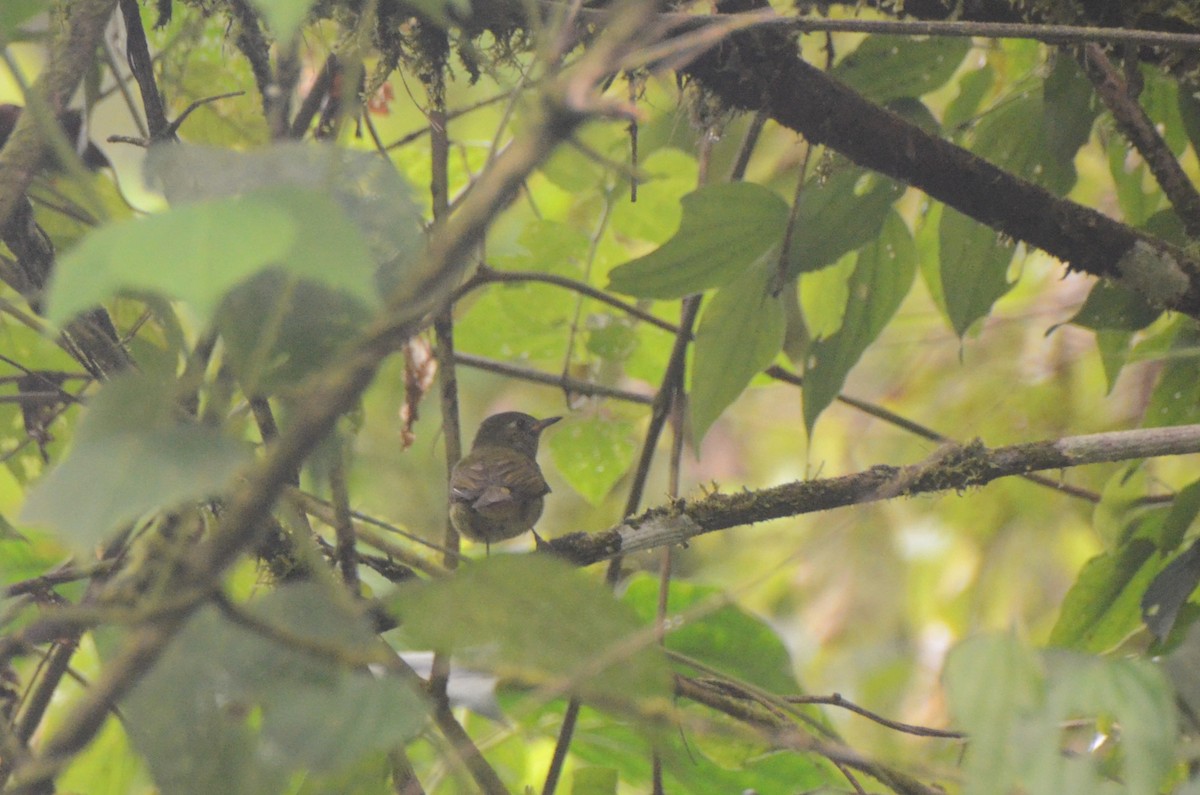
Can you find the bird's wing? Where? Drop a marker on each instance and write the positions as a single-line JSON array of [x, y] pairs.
[[517, 477]]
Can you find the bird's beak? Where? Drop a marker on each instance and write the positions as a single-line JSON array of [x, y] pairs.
[[546, 423]]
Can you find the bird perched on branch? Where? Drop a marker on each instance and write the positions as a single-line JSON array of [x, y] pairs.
[[497, 490]]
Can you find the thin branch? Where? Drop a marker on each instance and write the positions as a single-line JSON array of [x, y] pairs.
[[836, 700], [1139, 129], [566, 383], [950, 468]]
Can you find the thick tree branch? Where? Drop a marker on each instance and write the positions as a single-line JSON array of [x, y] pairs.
[[952, 467], [761, 69]]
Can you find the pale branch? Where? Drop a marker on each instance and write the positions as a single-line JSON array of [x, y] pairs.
[[951, 467], [567, 102]]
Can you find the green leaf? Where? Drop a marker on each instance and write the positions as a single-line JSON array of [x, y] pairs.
[[837, 215], [594, 781], [725, 228], [727, 638], [198, 252], [506, 614], [1068, 109], [1132, 694], [884, 68], [14, 12], [592, 453], [1176, 397], [229, 710], [1111, 307], [990, 682], [1170, 590], [657, 210], [882, 278], [369, 191], [972, 87], [740, 333], [1104, 605], [284, 17], [278, 329], [974, 268], [130, 456]]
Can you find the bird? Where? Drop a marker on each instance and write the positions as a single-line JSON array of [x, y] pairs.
[[497, 490]]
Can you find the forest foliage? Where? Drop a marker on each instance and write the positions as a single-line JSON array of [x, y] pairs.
[[876, 350]]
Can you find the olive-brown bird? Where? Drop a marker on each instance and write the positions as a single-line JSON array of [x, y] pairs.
[[497, 490]]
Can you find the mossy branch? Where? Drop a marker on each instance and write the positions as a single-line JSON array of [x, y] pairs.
[[951, 468]]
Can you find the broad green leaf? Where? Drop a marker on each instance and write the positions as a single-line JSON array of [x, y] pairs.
[[130, 455], [725, 228], [107, 764], [229, 710], [1170, 590], [278, 329], [884, 68], [1104, 605], [14, 12], [537, 620], [369, 191], [1114, 348], [657, 210], [198, 252], [1068, 109], [1138, 200], [284, 17], [837, 215], [974, 268], [1130, 693], [595, 781], [593, 453], [1110, 307], [726, 638], [740, 333], [990, 682], [1189, 115], [972, 87], [1159, 97], [1176, 397], [823, 294], [882, 278]]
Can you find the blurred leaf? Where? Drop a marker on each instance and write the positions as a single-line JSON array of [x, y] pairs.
[[1176, 396], [1129, 173], [740, 333], [974, 268], [883, 68], [657, 210], [228, 710], [198, 252], [1189, 116], [14, 12], [725, 228], [1114, 348], [540, 621], [284, 17], [370, 192], [727, 638], [1169, 591], [990, 681], [1159, 96], [972, 87], [837, 215], [278, 329], [1111, 307], [130, 455], [1132, 694], [1069, 107], [1103, 606], [592, 453], [882, 278], [107, 764], [594, 781]]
